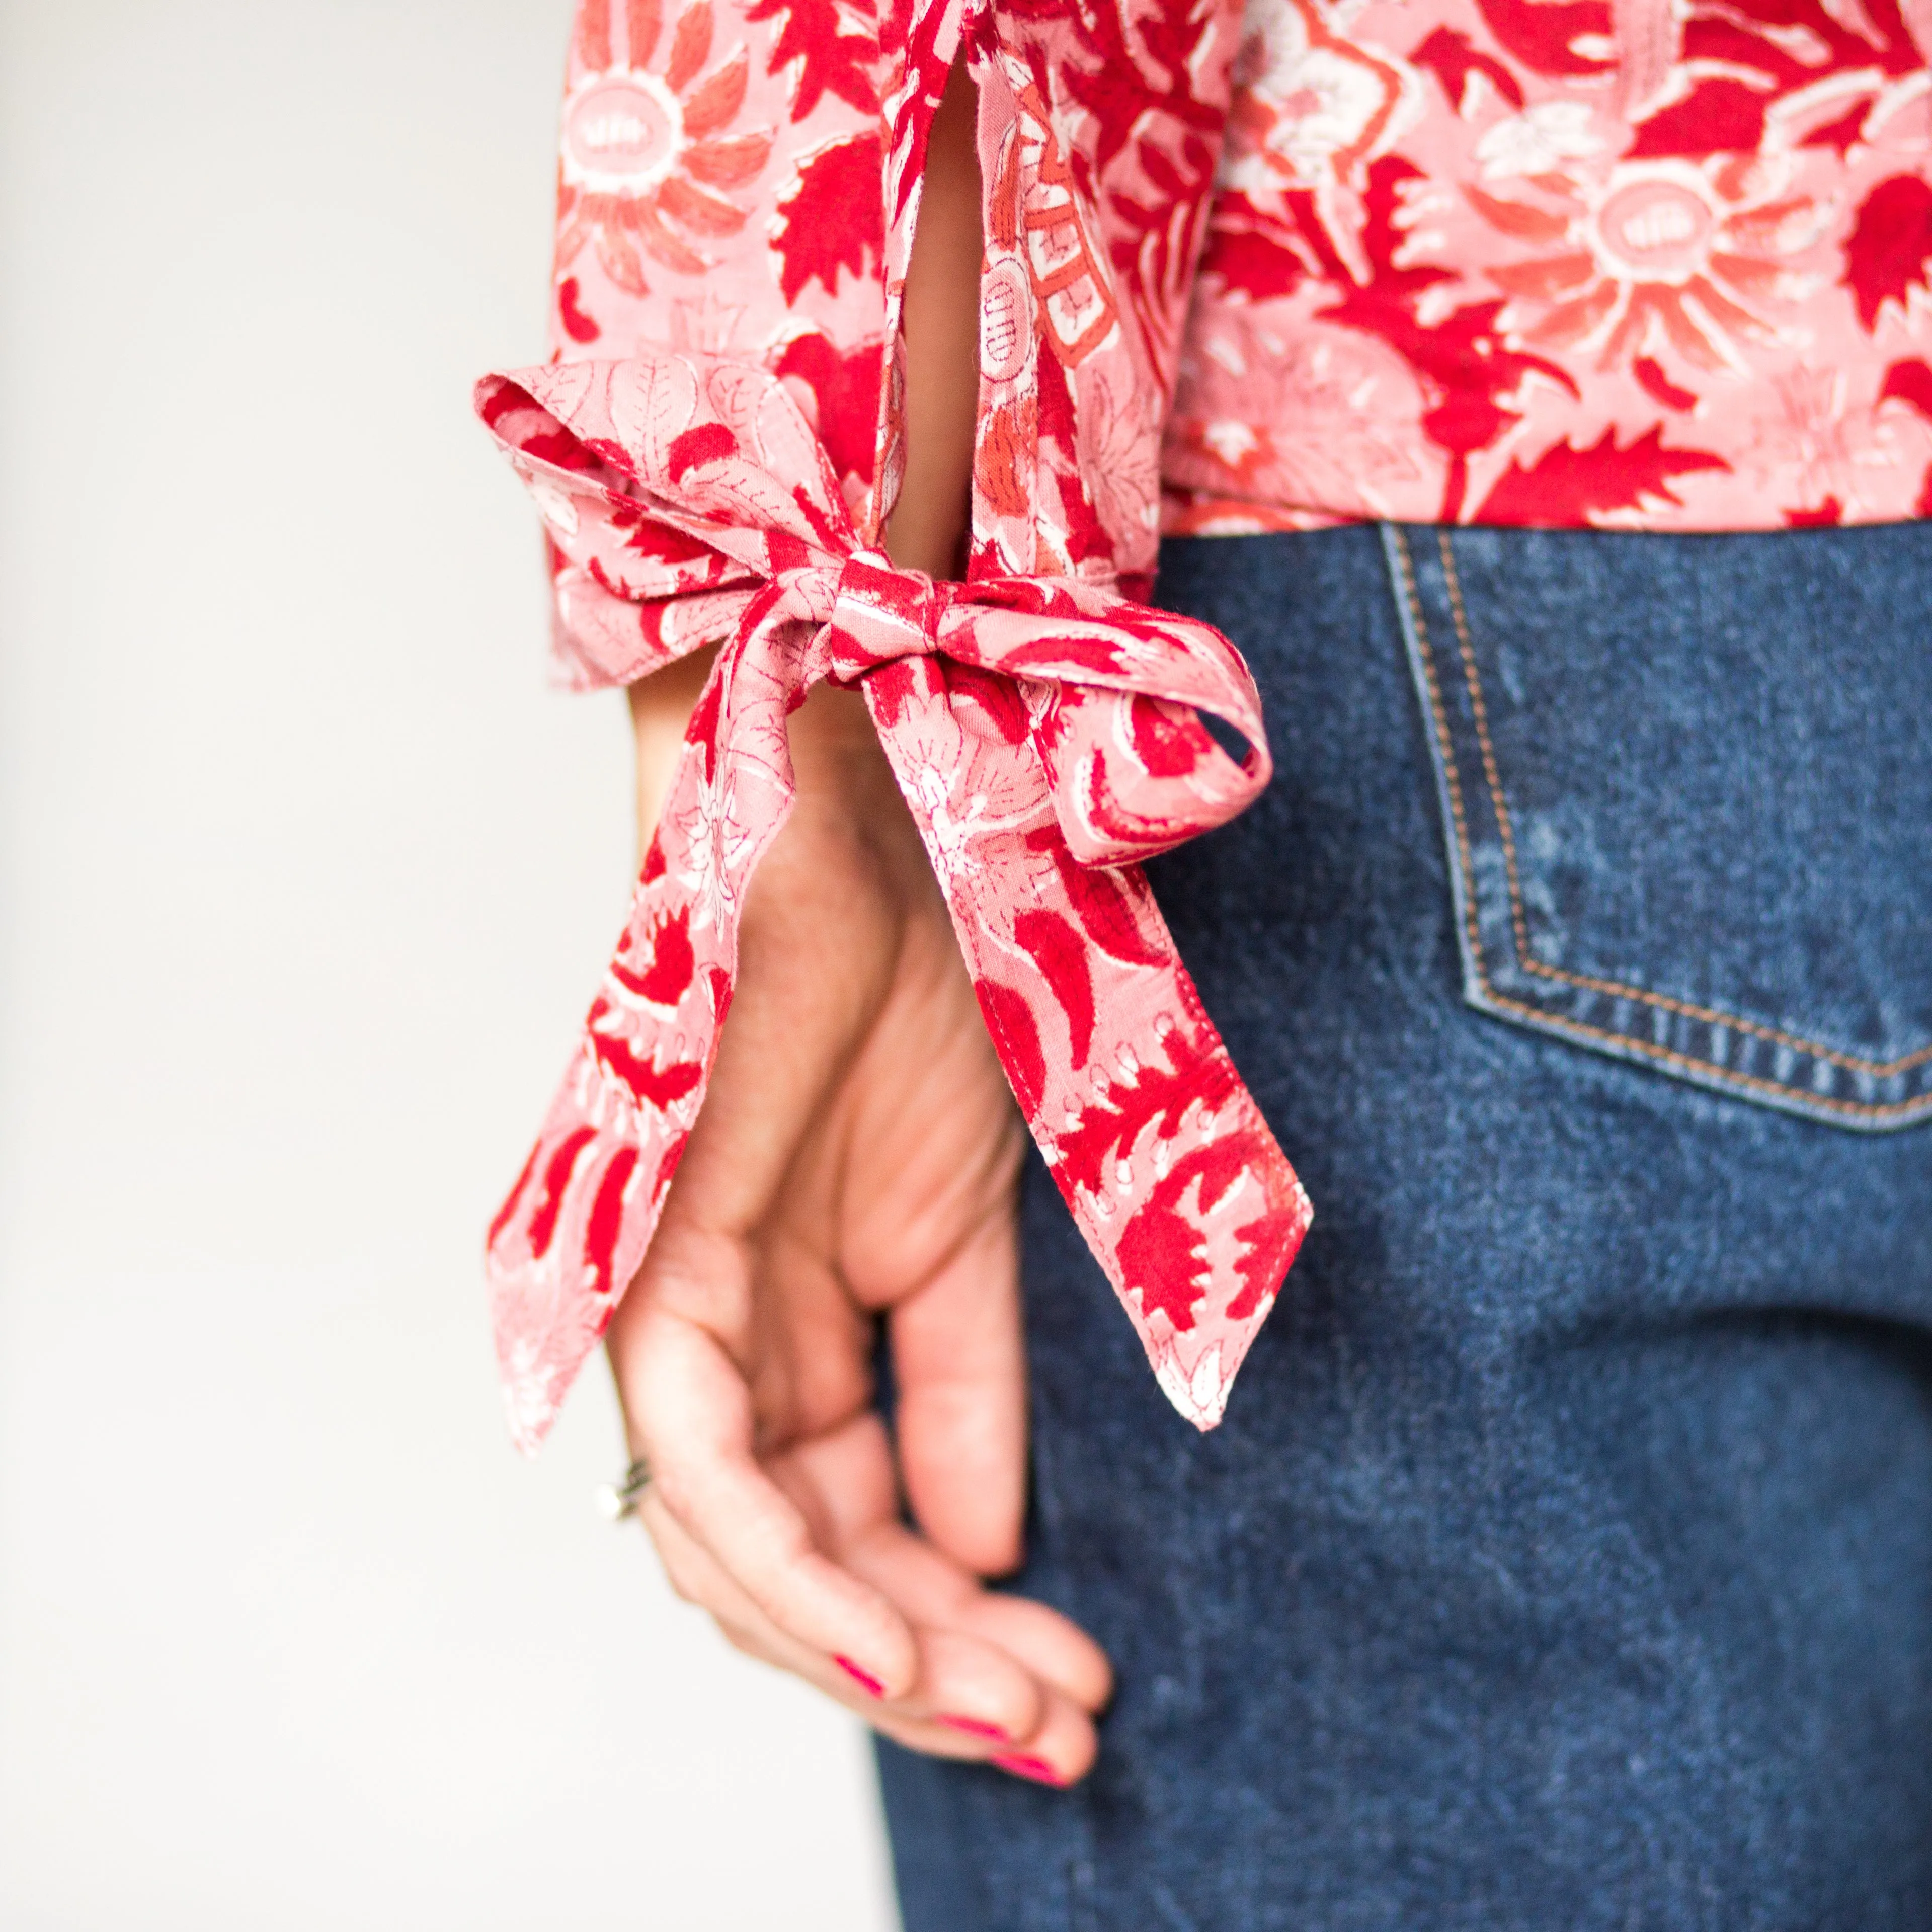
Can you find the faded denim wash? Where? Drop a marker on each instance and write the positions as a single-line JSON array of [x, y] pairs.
[[1565, 1560]]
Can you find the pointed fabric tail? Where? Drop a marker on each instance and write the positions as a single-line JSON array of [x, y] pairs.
[[1159, 1151], [576, 1227]]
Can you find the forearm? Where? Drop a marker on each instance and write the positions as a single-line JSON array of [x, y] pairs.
[[929, 526]]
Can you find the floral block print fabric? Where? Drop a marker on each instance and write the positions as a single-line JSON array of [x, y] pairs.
[[1648, 264], [714, 449]]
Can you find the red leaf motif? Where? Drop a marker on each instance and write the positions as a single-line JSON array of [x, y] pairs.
[[647, 1082], [709, 443], [1010, 1020], [1649, 372], [1909, 382], [1717, 117], [1167, 740], [1106, 914], [832, 218], [1462, 360], [674, 1153], [556, 1180], [560, 448], [667, 978], [1886, 257], [1249, 251], [1160, 1252], [1103, 905], [888, 688], [1155, 1096], [1566, 485], [1160, 1248], [1452, 57], [1270, 1243], [578, 326], [1086, 536], [663, 545], [845, 386], [829, 61], [510, 1200], [1056, 949], [703, 730], [1827, 513], [607, 1212], [1544, 34], [995, 703]]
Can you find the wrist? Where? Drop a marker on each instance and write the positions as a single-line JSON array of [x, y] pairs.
[[661, 708], [838, 765]]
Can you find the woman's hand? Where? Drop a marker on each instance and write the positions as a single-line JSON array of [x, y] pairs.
[[856, 1158]]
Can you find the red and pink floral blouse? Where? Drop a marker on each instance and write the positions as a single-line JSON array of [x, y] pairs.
[[715, 448], [1648, 263]]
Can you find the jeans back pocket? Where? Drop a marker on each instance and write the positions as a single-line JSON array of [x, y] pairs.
[[1687, 798]]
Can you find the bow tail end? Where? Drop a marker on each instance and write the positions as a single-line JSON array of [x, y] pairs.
[[571, 1234], [1197, 1338], [1172, 1175], [1198, 1250]]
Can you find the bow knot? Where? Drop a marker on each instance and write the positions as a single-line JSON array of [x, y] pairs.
[[1046, 734], [880, 613]]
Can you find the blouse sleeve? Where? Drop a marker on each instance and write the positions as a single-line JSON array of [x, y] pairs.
[[714, 447]]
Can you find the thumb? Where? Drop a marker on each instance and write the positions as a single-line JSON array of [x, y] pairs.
[[959, 1362]]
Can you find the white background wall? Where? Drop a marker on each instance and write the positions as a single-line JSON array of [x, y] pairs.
[[304, 880]]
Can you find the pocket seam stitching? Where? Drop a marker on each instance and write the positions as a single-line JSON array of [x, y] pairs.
[[1560, 1023], [1519, 921]]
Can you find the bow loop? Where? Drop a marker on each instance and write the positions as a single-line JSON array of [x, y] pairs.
[[880, 613], [665, 471], [1134, 771], [1046, 734], [598, 516]]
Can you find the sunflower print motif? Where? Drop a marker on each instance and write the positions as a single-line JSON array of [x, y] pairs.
[[1644, 264], [650, 157]]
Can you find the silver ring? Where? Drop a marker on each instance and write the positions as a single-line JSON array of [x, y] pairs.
[[618, 1500]]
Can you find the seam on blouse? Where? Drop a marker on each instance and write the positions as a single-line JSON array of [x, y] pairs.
[[1558, 1022]]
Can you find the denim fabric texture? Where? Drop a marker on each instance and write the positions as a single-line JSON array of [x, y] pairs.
[[1649, 816], [1565, 1559]]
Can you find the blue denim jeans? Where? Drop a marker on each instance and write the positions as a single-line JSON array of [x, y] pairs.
[[1565, 1559]]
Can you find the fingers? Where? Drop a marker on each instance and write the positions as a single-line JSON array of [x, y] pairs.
[[959, 1362], [802, 1559], [856, 1155], [691, 1418], [841, 1482], [931, 1590], [970, 1699]]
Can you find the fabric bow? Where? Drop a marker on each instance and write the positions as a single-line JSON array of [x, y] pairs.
[[1044, 733]]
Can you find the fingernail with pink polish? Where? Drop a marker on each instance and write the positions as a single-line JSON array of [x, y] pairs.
[[865, 1681], [973, 1727], [1037, 1769]]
